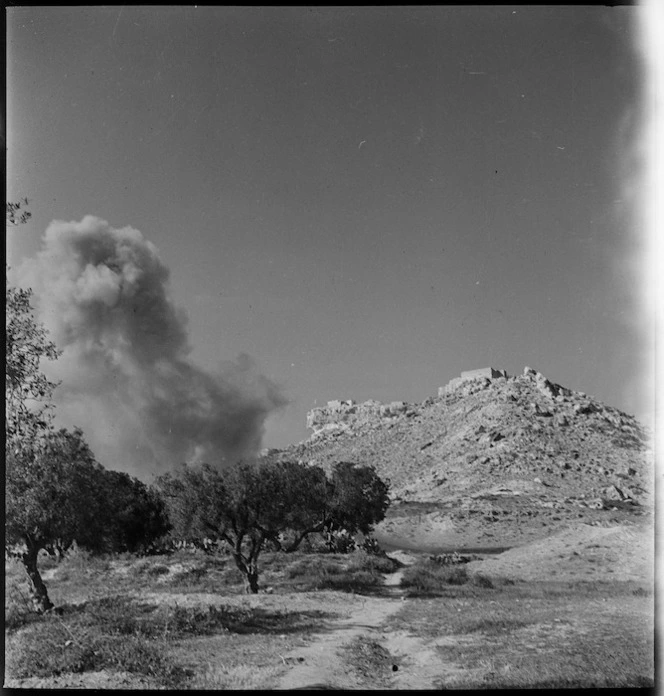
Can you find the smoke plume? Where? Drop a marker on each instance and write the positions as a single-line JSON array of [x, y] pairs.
[[126, 378]]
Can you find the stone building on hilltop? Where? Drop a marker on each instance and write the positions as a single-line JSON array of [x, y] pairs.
[[488, 372], [482, 373]]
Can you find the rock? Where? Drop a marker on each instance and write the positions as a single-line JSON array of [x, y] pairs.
[[614, 493]]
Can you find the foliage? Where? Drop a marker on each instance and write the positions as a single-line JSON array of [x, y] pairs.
[[27, 391], [61, 494], [277, 502], [356, 572], [314, 566], [339, 541], [430, 577], [243, 506], [116, 634], [55, 491], [16, 214], [360, 497], [324, 573], [134, 515], [373, 563], [372, 662], [55, 494]]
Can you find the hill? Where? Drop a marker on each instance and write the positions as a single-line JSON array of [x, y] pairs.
[[492, 460]]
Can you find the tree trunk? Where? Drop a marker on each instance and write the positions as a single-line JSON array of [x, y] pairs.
[[250, 572], [251, 584], [37, 589]]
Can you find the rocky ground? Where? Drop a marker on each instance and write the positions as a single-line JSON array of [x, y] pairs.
[[498, 461]]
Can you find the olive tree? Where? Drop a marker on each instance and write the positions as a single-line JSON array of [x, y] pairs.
[[134, 515], [130, 519], [28, 406], [55, 491], [249, 504]]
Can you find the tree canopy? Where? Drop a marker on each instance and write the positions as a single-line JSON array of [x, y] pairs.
[[250, 504], [28, 392], [55, 490]]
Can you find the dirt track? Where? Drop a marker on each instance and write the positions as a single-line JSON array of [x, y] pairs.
[[320, 663]]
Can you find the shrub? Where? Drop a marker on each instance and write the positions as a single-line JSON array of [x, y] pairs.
[[351, 581], [429, 577], [313, 567], [148, 568], [361, 560], [482, 581], [325, 573], [54, 653], [114, 633], [370, 545]]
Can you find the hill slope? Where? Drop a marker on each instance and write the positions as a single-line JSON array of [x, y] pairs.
[[489, 455]]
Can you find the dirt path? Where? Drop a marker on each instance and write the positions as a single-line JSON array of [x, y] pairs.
[[320, 664]]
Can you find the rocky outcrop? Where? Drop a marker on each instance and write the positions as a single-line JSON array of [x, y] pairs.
[[492, 460], [544, 386], [523, 433], [343, 415]]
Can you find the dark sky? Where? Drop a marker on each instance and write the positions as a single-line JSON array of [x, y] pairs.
[[368, 200]]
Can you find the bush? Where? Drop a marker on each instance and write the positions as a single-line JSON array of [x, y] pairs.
[[340, 541], [370, 545], [358, 573], [18, 614], [429, 577], [313, 567], [51, 647], [114, 633], [482, 581], [361, 560], [313, 543], [351, 581]]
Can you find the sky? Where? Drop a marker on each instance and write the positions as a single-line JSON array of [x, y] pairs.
[[322, 203]]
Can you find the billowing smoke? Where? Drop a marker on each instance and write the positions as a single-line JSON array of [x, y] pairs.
[[126, 378]]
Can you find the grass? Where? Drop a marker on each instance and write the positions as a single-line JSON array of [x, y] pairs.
[[117, 634], [371, 662], [94, 631], [426, 577], [537, 635], [488, 632], [355, 572]]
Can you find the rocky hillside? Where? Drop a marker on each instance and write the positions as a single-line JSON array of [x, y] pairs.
[[494, 446]]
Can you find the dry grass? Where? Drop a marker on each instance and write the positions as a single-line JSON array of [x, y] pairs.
[[121, 635], [94, 630], [493, 633], [538, 635], [427, 578], [356, 572], [372, 663]]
